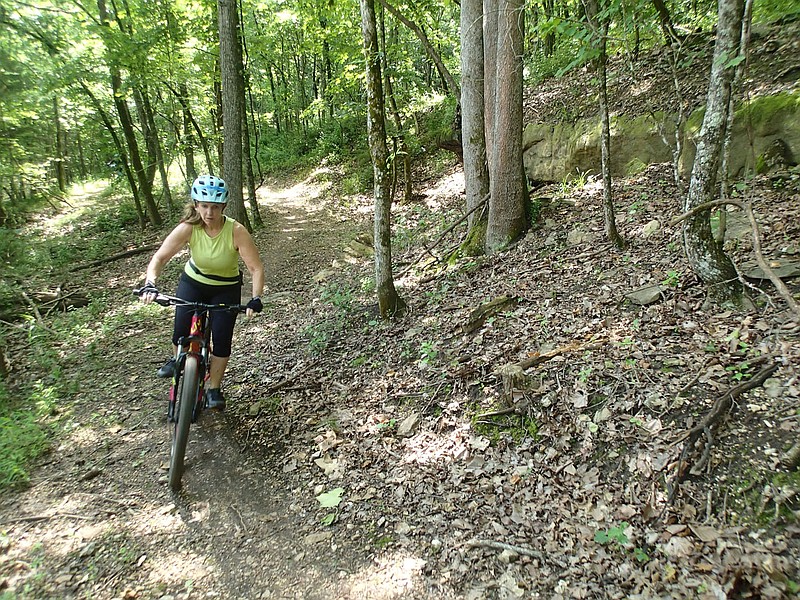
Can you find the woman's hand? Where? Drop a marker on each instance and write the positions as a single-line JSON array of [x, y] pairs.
[[254, 306], [149, 292]]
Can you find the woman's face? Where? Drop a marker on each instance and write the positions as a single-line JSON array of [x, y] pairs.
[[210, 212]]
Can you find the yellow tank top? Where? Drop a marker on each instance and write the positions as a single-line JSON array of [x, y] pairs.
[[214, 261]]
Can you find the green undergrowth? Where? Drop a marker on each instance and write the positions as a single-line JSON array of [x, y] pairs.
[[24, 431]]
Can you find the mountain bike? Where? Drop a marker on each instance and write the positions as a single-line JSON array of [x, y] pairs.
[[186, 394]]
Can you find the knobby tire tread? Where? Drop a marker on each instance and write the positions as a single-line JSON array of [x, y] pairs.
[[187, 397]]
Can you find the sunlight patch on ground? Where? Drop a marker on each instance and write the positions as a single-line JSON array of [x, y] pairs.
[[80, 200], [390, 577], [430, 448], [447, 187]]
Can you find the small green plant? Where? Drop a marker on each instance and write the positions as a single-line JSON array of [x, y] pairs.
[[739, 372], [330, 499], [672, 279], [427, 354], [613, 535], [23, 437], [584, 374], [617, 538]]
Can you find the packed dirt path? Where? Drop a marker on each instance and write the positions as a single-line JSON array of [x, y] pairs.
[[99, 521]]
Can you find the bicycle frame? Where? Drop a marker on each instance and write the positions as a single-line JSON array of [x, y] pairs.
[[197, 345]]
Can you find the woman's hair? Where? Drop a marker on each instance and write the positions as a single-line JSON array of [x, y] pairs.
[[190, 214]]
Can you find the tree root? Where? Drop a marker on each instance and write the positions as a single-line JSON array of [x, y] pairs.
[[706, 429]]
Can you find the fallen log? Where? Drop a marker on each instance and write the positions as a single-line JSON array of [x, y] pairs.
[[113, 257]]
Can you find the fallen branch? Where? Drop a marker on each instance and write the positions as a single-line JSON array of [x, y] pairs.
[[113, 257], [503, 546], [783, 291], [438, 240], [538, 358]]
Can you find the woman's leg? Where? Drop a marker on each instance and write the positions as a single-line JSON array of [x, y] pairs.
[[217, 371]]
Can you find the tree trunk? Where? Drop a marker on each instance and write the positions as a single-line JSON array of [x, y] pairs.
[[473, 130], [188, 135], [147, 133], [389, 302], [433, 55], [140, 214], [191, 173], [126, 122], [707, 257], [248, 168], [400, 150], [599, 26], [490, 37], [507, 182], [155, 144], [61, 171], [230, 56]]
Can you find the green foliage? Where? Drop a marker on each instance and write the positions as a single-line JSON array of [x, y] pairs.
[[775, 11], [617, 538], [23, 434], [517, 426], [672, 279], [336, 303]]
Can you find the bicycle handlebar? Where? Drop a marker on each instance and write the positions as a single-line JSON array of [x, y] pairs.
[[166, 300]]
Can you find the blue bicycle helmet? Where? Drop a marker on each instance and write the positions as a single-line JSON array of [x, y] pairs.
[[208, 188]]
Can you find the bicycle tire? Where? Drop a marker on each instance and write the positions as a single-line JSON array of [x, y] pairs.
[[187, 397]]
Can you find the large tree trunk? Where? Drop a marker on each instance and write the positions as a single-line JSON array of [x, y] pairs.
[[473, 131], [705, 254], [507, 182], [490, 36], [389, 302], [230, 56]]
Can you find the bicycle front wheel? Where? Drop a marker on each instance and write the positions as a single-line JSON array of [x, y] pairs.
[[187, 397]]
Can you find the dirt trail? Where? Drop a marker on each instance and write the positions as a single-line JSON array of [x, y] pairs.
[[99, 520]]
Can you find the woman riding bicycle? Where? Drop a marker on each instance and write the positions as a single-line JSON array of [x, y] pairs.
[[211, 275]]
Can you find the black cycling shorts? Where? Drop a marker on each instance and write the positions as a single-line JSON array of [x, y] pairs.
[[223, 320]]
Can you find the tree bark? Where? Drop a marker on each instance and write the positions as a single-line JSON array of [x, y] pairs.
[[599, 26], [389, 302], [706, 256], [230, 55], [473, 129], [507, 182]]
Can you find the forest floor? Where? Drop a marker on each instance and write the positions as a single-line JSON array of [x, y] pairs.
[[548, 450]]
